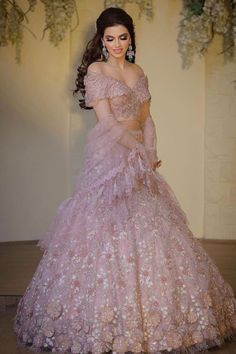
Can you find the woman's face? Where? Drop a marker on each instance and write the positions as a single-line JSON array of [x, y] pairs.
[[117, 40]]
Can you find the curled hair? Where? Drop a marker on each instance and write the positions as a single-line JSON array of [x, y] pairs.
[[93, 52]]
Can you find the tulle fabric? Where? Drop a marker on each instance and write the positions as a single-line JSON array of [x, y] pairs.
[[121, 270], [109, 176]]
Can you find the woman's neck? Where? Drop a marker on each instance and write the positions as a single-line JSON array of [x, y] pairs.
[[117, 63]]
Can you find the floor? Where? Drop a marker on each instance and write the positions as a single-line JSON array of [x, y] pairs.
[[18, 261]]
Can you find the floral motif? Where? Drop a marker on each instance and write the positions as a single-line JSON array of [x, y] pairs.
[[76, 347], [197, 337], [222, 328], [230, 308], [137, 348], [86, 327], [233, 321], [174, 340], [107, 314], [153, 318], [188, 340], [192, 317], [48, 329], [210, 333], [107, 336], [38, 340], [76, 325], [63, 342], [179, 318], [54, 309], [131, 323], [25, 337], [158, 335], [207, 299], [120, 344]]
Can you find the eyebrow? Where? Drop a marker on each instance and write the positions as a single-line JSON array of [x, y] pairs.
[[109, 35]]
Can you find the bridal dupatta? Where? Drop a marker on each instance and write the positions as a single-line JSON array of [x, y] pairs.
[[111, 171]]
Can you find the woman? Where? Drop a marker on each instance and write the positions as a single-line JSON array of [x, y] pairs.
[[121, 269]]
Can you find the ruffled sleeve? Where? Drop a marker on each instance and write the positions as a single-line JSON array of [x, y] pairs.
[[96, 88]]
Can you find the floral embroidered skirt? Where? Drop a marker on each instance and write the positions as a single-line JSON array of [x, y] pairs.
[[121, 270]]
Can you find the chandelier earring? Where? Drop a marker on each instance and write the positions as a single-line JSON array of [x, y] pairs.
[[130, 53], [104, 51]]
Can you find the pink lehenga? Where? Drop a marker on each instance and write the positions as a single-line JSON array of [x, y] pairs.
[[121, 270]]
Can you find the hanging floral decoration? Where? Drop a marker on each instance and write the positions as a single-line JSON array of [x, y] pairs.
[[13, 19], [58, 16], [201, 19], [145, 6]]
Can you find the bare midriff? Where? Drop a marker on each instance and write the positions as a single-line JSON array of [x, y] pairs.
[[135, 128], [131, 124]]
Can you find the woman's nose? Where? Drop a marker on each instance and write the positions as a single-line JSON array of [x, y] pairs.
[[117, 43]]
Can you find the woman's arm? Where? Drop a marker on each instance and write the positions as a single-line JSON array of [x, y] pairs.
[[149, 134], [117, 130]]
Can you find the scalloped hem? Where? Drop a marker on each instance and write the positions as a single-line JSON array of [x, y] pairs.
[[193, 349]]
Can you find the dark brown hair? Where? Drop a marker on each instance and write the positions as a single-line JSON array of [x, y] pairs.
[[93, 51]]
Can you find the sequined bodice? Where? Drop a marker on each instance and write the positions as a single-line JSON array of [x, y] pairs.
[[125, 101]]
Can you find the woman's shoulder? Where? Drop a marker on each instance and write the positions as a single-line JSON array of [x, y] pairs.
[[100, 67], [137, 68], [96, 67]]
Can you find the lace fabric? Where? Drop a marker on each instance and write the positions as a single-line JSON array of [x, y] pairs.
[[125, 101]]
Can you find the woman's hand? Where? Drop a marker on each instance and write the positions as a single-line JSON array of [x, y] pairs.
[[153, 158], [148, 154], [156, 164]]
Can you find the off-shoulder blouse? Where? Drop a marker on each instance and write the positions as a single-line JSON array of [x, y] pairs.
[[125, 101]]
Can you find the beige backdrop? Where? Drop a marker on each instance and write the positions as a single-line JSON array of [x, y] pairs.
[[43, 131]]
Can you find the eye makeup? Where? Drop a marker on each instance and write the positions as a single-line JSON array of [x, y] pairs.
[[123, 37]]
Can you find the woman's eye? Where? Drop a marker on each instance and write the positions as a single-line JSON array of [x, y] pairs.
[[121, 38]]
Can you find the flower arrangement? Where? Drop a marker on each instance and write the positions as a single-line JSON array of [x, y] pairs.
[[145, 6], [58, 18], [201, 19]]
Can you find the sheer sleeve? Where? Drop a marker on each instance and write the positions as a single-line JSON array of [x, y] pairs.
[[150, 137], [95, 88], [97, 97], [149, 134]]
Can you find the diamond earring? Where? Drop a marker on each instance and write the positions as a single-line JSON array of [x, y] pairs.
[[104, 51], [130, 53]]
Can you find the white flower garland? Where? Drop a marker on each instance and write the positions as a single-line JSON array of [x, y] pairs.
[[58, 18], [145, 6], [201, 19]]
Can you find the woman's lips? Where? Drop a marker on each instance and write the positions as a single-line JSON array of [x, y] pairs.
[[117, 51]]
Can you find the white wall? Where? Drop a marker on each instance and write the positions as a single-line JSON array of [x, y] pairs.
[[43, 131]]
